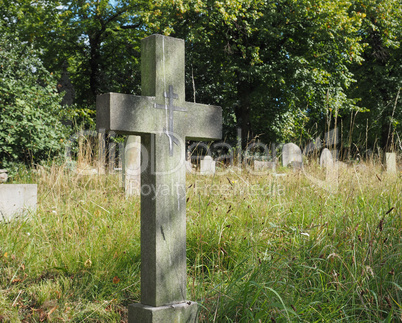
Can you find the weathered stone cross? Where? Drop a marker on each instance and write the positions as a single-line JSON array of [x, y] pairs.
[[161, 125]]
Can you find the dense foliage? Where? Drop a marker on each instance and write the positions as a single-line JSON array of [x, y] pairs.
[[379, 77], [281, 70], [280, 63], [98, 40], [30, 123]]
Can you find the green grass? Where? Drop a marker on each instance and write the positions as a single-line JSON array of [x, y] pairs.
[[259, 248]]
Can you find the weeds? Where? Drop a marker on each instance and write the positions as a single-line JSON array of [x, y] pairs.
[[259, 248]]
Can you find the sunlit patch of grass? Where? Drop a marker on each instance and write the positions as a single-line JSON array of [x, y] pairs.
[[302, 255], [81, 248], [260, 248]]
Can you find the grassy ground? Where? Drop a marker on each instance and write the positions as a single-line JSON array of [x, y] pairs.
[[259, 248]]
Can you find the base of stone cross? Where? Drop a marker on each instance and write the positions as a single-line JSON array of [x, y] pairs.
[[180, 313]]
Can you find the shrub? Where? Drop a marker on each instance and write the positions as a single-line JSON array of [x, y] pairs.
[[31, 114]]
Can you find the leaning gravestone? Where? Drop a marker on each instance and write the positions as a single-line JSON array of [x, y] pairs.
[[291, 154], [390, 162], [326, 159], [164, 121], [17, 200], [207, 166]]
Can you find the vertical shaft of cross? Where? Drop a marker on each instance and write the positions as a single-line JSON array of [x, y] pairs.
[[163, 225], [163, 203]]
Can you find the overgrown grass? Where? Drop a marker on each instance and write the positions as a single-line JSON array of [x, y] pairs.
[[259, 248]]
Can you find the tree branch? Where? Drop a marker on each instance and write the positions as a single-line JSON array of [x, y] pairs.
[[131, 26]]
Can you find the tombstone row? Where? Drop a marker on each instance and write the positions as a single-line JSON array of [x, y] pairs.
[[292, 156], [20, 199]]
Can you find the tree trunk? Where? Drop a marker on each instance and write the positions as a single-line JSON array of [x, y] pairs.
[[385, 124], [94, 61], [243, 112], [385, 139]]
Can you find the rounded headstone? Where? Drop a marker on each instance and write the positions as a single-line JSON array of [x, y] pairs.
[[291, 153], [326, 159]]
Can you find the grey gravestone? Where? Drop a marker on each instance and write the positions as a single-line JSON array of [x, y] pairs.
[[207, 166], [326, 159], [17, 200], [164, 120], [132, 166], [291, 154], [390, 162]]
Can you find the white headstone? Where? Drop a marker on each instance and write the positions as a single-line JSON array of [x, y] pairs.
[[17, 200], [326, 159], [189, 165], [291, 154], [390, 162], [132, 166], [207, 166], [3, 175]]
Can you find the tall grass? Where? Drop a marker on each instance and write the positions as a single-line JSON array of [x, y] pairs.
[[259, 248]]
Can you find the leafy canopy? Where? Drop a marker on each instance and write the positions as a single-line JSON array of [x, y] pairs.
[[274, 66]]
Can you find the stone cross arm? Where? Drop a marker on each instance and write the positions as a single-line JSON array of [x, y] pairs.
[[136, 115]]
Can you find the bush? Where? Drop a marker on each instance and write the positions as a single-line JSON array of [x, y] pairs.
[[30, 126]]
